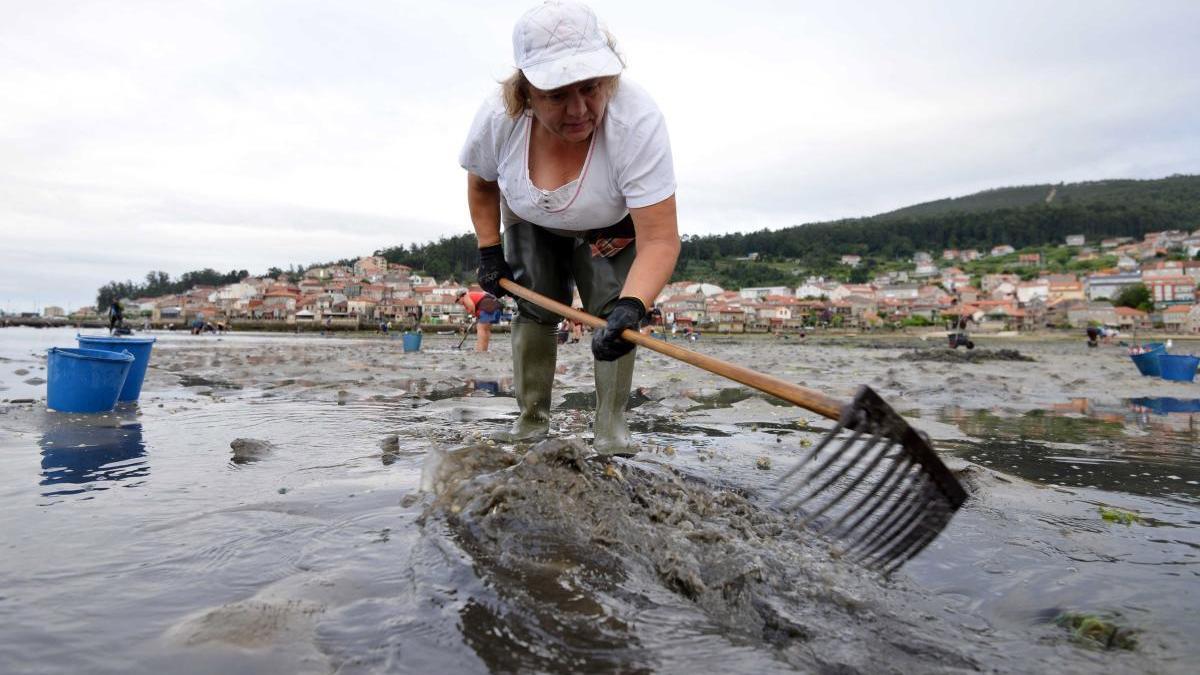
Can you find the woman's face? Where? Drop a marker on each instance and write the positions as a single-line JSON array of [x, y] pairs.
[[572, 112]]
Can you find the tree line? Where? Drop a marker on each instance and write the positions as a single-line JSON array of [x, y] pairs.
[[160, 283], [449, 257]]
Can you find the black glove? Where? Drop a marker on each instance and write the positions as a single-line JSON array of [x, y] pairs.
[[493, 268], [607, 344]]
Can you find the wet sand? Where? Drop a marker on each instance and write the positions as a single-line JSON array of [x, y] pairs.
[[337, 506]]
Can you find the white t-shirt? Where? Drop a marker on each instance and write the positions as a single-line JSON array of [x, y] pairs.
[[628, 164]]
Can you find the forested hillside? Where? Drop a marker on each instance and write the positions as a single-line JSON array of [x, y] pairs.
[[1006, 216], [1164, 190]]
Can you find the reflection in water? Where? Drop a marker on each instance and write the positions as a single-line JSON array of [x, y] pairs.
[[549, 619], [1166, 406], [470, 387], [89, 456], [586, 400], [1148, 446]]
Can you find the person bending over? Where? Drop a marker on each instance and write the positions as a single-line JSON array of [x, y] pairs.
[[484, 308], [574, 162]]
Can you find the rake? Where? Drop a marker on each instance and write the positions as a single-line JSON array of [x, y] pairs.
[[880, 490], [466, 334]]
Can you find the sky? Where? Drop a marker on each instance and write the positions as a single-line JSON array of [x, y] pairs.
[[246, 134]]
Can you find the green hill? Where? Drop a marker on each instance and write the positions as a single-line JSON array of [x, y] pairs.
[[1173, 188], [1022, 217]]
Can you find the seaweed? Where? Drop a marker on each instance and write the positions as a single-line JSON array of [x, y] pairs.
[[1114, 515], [1095, 630]]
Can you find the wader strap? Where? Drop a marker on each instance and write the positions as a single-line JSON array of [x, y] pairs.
[[621, 230]]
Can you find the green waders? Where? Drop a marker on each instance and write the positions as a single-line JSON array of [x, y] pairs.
[[553, 264]]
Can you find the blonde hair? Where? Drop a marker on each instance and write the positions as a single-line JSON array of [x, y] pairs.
[[515, 88]]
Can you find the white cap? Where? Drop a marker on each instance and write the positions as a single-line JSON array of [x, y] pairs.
[[557, 43]]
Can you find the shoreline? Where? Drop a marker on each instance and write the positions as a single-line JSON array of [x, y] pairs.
[[274, 328]]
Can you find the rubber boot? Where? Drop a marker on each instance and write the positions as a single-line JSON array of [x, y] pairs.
[[535, 350], [613, 382]]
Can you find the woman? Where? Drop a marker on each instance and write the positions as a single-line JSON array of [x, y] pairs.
[[484, 308], [576, 165]]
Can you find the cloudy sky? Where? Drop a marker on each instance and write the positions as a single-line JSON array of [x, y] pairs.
[[232, 134]]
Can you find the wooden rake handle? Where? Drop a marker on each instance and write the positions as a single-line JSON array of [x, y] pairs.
[[802, 396]]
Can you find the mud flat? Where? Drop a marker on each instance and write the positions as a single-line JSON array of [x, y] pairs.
[[297, 504]]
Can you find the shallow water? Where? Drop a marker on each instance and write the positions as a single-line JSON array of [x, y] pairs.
[[140, 541]]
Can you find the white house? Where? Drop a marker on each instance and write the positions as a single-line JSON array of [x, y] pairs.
[[1029, 291], [705, 289], [1126, 264], [1005, 290], [754, 292], [925, 269], [813, 288], [900, 292], [1107, 286], [233, 292], [843, 291]]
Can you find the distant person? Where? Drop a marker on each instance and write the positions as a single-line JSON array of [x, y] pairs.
[[415, 314], [116, 317], [485, 309], [1093, 336]]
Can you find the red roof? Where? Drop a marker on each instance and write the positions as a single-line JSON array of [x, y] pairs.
[[1128, 311]]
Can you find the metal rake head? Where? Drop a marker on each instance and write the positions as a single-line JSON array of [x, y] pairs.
[[882, 491]]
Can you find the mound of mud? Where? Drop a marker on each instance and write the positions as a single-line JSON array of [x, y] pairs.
[[616, 565], [965, 355]]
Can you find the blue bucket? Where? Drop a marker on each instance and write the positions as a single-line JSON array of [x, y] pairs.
[[138, 346], [1147, 363], [412, 342], [1178, 367], [84, 380]]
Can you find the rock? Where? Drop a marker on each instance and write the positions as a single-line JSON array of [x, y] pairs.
[[247, 450]]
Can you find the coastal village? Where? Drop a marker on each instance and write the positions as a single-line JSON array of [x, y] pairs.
[[932, 289]]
